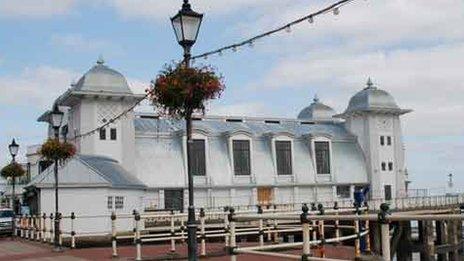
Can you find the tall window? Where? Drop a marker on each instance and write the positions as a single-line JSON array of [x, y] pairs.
[[109, 202], [382, 140], [102, 134], [322, 151], [343, 191], [113, 134], [241, 149], [284, 157], [197, 158], [389, 141], [119, 202], [390, 166], [384, 166]]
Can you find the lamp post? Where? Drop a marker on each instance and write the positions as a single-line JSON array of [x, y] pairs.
[[56, 118], [13, 148], [186, 24]]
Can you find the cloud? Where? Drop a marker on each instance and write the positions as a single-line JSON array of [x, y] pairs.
[[157, 10], [251, 109], [35, 8], [78, 42], [36, 87]]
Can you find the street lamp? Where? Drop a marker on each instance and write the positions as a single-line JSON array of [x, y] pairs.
[[186, 24], [56, 119], [13, 148]]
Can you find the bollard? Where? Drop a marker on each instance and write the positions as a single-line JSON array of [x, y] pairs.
[[367, 238], [202, 233], [22, 226], [305, 228], [39, 227], [134, 212], [320, 207], [52, 229], [337, 223], [138, 240], [226, 226], [275, 224], [60, 238], [113, 234], [28, 226], [261, 231], [73, 233], [357, 242], [173, 233], [44, 228], [232, 240], [384, 230]]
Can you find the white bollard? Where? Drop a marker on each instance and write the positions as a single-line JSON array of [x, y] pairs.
[[138, 240], [202, 233], [113, 234], [305, 227], [385, 231], [261, 231], [73, 233], [173, 233], [232, 240]]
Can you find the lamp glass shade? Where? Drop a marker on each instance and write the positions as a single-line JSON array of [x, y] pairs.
[[56, 117], [14, 148], [186, 24]]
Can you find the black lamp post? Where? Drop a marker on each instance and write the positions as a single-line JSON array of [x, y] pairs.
[[13, 148], [56, 118], [186, 24]]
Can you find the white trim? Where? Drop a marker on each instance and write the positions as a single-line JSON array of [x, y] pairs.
[[241, 178], [313, 150], [289, 177]]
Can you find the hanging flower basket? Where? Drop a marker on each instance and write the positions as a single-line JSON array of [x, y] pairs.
[[179, 91], [53, 149], [12, 170]]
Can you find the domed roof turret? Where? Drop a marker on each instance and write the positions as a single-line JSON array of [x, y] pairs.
[[316, 111], [373, 99], [101, 78]]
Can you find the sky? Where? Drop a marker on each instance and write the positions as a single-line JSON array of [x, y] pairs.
[[414, 49]]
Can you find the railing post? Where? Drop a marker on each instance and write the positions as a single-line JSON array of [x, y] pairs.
[[173, 232], [232, 240], [226, 226], [138, 240], [21, 226], [260, 226], [385, 230], [357, 230], [73, 233], [321, 229], [60, 235], [202, 232], [275, 225], [313, 223], [366, 228], [114, 234], [336, 222], [52, 229], [39, 227], [305, 228]]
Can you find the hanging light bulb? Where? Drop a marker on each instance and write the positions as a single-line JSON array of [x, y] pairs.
[[250, 44], [206, 57], [234, 49], [311, 19], [220, 52], [336, 11], [288, 29]]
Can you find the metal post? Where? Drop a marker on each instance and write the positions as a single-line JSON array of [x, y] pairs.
[[232, 240], [73, 233], [202, 231], [113, 234], [138, 240], [38, 219], [337, 223], [305, 227], [321, 230], [173, 233], [226, 226], [261, 231], [52, 229], [385, 231], [60, 236], [357, 241]]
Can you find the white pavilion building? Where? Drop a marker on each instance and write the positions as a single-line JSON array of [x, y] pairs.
[[139, 161]]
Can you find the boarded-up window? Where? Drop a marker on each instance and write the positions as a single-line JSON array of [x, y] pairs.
[[284, 157], [197, 158], [174, 199], [241, 149], [322, 151]]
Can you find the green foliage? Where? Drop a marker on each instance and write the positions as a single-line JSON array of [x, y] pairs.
[[12, 170], [53, 149]]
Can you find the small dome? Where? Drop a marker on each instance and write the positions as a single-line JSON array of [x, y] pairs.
[[101, 78], [371, 98], [316, 111]]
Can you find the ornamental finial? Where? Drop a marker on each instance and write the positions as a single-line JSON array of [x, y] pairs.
[[100, 60], [316, 98], [369, 83]]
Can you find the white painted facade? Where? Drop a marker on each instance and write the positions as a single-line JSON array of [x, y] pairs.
[[152, 150]]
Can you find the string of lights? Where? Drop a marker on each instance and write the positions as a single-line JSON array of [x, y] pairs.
[[335, 8]]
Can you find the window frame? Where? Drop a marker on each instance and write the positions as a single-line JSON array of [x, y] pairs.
[[249, 157], [204, 155], [383, 166], [275, 155], [313, 150], [115, 132], [118, 202], [389, 141], [390, 166], [109, 202], [338, 194], [102, 134], [382, 140]]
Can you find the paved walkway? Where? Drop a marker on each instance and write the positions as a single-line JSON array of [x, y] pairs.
[[19, 249]]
